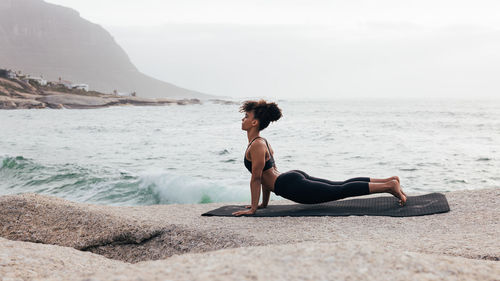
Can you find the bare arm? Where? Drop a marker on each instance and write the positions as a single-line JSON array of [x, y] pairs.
[[266, 193], [258, 154]]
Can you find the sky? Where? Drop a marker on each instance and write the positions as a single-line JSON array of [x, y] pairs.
[[312, 49]]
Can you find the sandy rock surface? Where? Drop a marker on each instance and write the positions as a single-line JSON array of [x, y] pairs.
[[471, 229], [33, 261], [462, 244], [300, 261], [108, 231], [309, 261]]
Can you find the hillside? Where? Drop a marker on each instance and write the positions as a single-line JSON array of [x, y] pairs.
[[50, 40]]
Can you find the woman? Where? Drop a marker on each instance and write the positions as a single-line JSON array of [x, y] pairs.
[[294, 185]]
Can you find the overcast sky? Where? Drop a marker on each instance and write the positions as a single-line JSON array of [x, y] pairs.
[[303, 49]]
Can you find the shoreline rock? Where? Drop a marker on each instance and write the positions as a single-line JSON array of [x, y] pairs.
[[349, 260], [102, 230], [175, 242]]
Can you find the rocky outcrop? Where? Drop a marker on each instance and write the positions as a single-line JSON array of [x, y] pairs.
[[42, 38], [347, 260], [224, 102], [17, 103], [76, 101], [462, 244], [17, 94], [102, 230]]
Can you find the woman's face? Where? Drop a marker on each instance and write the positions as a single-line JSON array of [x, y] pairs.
[[248, 121]]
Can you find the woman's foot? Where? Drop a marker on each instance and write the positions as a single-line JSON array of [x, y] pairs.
[[395, 189], [392, 186], [396, 178]]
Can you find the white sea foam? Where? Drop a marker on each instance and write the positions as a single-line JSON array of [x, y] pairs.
[[174, 188]]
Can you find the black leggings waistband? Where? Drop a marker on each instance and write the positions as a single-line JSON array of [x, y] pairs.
[[298, 186]]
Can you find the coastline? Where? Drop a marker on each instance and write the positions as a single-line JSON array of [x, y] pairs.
[[18, 94], [175, 242]]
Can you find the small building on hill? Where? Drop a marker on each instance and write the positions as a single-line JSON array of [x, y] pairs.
[[70, 85], [11, 74], [7, 73], [39, 80], [65, 83]]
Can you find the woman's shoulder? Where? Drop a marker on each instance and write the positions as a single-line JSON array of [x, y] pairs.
[[262, 140], [258, 144]]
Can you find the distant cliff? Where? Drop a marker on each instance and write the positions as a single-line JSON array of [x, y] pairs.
[[46, 39]]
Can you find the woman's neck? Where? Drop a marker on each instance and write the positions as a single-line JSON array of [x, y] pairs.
[[252, 135]]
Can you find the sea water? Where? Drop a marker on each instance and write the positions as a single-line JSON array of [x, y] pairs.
[[194, 153]]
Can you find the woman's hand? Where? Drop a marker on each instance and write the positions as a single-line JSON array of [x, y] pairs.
[[261, 206], [249, 212]]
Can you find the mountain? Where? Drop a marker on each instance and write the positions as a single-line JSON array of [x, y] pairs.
[[40, 38]]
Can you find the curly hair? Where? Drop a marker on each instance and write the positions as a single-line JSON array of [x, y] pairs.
[[263, 111]]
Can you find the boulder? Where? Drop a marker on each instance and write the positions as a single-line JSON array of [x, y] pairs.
[[77, 101], [18, 103], [102, 229]]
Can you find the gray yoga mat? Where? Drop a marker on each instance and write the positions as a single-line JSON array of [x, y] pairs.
[[421, 205]]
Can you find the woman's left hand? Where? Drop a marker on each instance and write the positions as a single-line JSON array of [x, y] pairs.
[[249, 212]]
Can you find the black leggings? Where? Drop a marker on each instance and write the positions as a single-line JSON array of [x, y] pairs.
[[298, 186]]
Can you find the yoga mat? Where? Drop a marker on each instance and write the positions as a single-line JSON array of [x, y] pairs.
[[421, 205]]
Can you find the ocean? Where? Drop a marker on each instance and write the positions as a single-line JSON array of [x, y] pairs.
[[194, 153]]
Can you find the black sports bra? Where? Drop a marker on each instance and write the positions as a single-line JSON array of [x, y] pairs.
[[269, 163]]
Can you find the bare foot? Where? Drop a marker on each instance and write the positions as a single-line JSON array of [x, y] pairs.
[[396, 178], [397, 192]]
